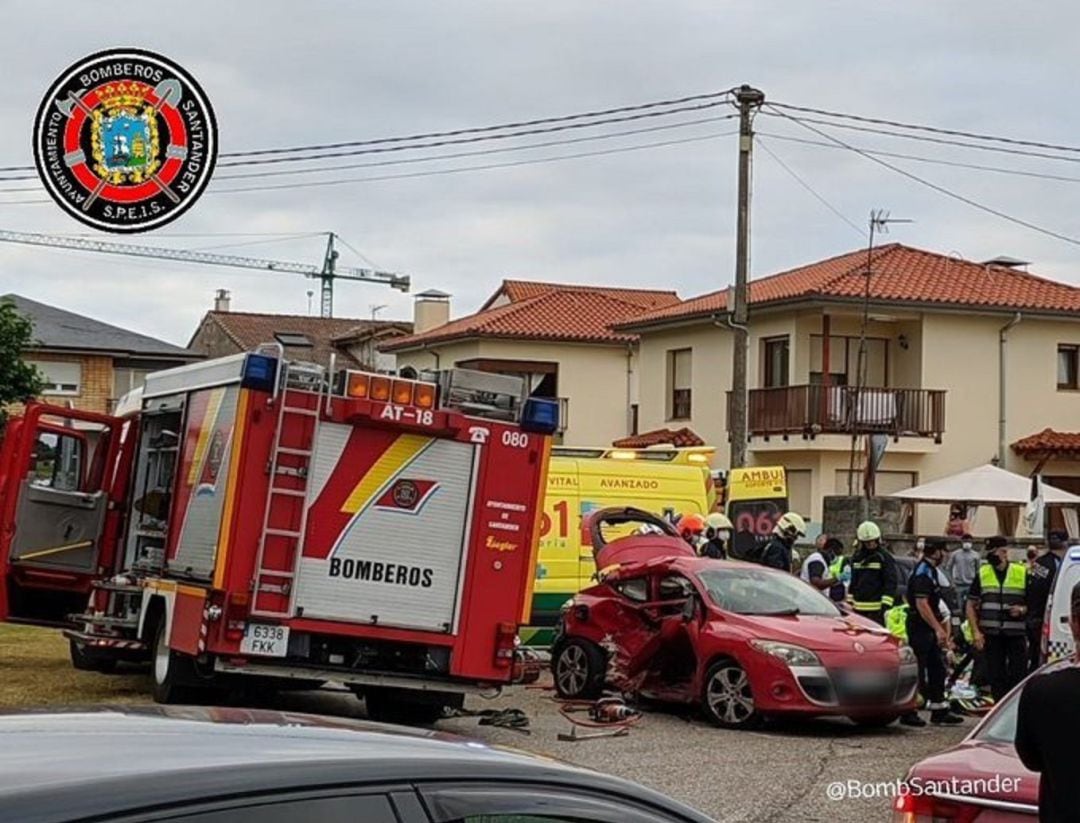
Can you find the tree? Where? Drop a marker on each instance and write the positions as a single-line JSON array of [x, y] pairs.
[[19, 381]]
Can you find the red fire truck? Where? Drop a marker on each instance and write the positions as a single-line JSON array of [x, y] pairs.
[[255, 521]]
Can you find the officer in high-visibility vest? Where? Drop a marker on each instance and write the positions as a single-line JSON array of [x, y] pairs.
[[997, 612], [874, 578]]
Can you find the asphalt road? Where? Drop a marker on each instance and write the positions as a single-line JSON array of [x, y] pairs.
[[781, 773]]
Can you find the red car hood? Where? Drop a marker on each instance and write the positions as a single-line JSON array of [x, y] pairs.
[[821, 634], [982, 760]]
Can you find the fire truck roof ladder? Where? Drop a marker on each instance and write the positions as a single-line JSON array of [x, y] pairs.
[[277, 584]]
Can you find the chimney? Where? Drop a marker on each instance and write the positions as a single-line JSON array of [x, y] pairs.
[[431, 309], [221, 300]]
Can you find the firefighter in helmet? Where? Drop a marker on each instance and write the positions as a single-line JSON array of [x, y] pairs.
[[717, 534], [692, 529], [874, 578], [778, 551]]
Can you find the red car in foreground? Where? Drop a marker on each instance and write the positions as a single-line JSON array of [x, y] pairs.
[[742, 640], [979, 780]]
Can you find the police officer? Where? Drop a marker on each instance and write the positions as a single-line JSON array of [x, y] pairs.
[[717, 534], [778, 551], [997, 611], [928, 636], [874, 577], [1041, 576]]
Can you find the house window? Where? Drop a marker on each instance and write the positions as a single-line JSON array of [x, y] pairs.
[[59, 377], [776, 361], [1067, 357], [633, 418], [679, 369], [293, 338]]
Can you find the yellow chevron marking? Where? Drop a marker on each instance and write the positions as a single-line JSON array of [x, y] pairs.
[[400, 454], [206, 431]]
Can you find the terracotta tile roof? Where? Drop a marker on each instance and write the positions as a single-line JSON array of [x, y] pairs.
[[518, 290], [680, 438], [1048, 441], [901, 274], [548, 311], [248, 330]]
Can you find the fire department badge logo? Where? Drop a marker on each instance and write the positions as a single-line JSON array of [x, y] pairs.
[[125, 140]]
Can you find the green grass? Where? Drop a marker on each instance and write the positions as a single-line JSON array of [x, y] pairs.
[[35, 670]]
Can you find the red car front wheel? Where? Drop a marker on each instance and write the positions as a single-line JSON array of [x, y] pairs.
[[728, 700]]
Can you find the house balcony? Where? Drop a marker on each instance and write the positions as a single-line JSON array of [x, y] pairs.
[[818, 414]]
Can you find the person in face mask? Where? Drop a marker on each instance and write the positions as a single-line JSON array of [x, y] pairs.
[[962, 567], [997, 612], [717, 536]]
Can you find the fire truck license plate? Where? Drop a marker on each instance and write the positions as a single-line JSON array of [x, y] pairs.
[[265, 639]]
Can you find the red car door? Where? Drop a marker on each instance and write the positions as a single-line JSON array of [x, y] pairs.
[[62, 479]]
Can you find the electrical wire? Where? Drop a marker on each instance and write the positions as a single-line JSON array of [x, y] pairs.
[[484, 167], [925, 139], [716, 97], [932, 129], [1063, 178], [457, 141], [719, 97], [809, 188], [934, 186], [444, 156]]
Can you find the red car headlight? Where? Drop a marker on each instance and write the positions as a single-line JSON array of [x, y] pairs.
[[789, 653]]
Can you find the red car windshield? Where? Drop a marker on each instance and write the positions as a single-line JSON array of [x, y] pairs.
[[764, 592]]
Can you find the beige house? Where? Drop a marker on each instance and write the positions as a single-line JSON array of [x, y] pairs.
[[558, 337], [961, 361]]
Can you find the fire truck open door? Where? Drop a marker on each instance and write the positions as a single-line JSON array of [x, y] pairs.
[[58, 470]]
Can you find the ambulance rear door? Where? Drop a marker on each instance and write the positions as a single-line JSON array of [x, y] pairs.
[[1059, 633]]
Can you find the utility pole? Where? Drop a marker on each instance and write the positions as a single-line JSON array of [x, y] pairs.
[[749, 100]]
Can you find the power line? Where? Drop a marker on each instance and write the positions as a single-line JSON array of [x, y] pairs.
[[940, 189], [716, 97], [925, 139], [1063, 178], [809, 188], [484, 167], [448, 155], [675, 101], [457, 141], [932, 129], [440, 172]]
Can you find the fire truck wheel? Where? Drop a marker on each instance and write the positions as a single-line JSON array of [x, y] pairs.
[[89, 662], [407, 706], [173, 672], [578, 668]]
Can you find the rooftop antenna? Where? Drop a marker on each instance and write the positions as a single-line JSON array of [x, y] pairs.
[[879, 222], [310, 294], [376, 309]]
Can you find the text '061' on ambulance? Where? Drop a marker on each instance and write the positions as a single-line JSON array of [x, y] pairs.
[[251, 517]]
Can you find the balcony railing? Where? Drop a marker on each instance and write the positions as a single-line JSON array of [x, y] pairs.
[[814, 409]]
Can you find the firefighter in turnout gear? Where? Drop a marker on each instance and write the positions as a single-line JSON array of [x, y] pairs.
[[718, 530], [874, 577], [997, 612], [778, 551]]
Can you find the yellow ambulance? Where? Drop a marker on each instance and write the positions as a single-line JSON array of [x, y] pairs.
[[665, 481]]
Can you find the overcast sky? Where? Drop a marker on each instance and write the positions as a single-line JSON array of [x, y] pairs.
[[289, 73]]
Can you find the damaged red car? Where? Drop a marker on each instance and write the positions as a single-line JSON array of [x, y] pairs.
[[743, 641]]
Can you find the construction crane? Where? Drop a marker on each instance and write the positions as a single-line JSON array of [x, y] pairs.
[[327, 273]]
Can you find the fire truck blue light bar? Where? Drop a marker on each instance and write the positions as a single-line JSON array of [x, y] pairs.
[[540, 415], [259, 372]]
